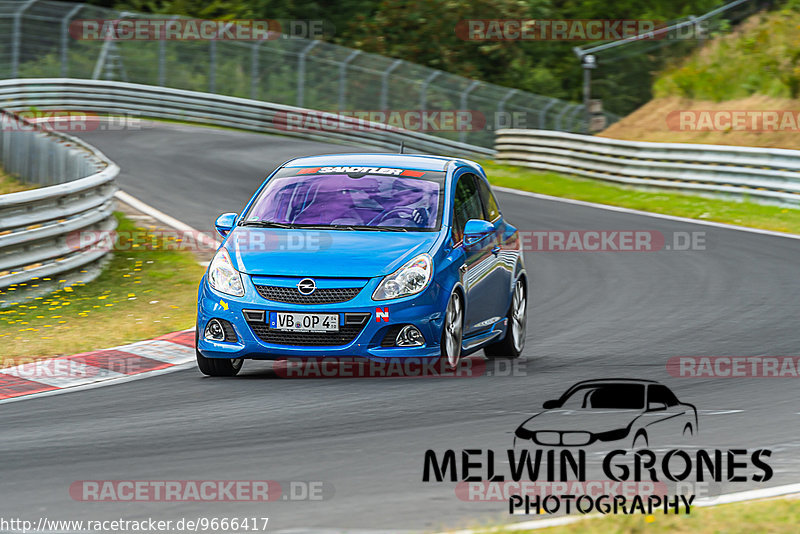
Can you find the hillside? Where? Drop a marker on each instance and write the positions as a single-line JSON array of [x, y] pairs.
[[754, 68]]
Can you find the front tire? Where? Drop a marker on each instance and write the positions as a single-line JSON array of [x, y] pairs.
[[216, 366], [512, 344], [453, 330]]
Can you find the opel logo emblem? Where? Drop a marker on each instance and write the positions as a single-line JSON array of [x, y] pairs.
[[306, 286]]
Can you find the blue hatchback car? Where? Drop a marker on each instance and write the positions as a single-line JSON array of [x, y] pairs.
[[364, 255]]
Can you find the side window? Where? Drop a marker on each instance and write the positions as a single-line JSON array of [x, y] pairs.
[[661, 394], [489, 202], [466, 205]]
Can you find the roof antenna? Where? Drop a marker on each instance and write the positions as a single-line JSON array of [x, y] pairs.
[[402, 146]]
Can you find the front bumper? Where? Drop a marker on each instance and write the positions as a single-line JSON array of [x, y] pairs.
[[425, 311]]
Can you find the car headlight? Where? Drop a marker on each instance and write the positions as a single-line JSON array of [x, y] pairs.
[[409, 279], [223, 277]]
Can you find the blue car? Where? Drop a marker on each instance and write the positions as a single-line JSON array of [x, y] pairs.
[[374, 256]]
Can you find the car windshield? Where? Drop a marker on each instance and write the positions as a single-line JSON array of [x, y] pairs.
[[351, 198], [606, 396]]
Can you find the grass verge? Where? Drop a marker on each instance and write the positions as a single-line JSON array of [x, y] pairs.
[[777, 516], [145, 291], [743, 213], [9, 184]]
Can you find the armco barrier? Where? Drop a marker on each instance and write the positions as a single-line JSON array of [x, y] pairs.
[[120, 98], [765, 174], [79, 185]]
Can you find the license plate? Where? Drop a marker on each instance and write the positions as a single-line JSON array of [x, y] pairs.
[[304, 322]]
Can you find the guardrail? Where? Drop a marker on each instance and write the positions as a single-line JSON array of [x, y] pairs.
[[44, 39], [120, 98], [767, 174], [46, 234]]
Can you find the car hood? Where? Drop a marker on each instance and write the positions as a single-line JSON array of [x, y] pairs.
[[580, 420], [334, 253]]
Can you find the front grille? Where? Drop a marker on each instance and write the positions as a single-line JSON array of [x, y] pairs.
[[290, 295], [353, 324]]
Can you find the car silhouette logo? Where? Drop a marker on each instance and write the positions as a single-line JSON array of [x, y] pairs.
[[641, 412], [306, 286]]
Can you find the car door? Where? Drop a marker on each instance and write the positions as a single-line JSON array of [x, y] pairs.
[[504, 254], [478, 260]]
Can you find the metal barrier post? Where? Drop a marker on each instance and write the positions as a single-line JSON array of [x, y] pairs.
[[212, 66], [301, 73], [561, 114], [543, 113], [65, 39], [423, 90], [16, 37], [254, 69], [162, 55], [343, 78], [501, 105], [104, 51], [462, 136], [385, 84]]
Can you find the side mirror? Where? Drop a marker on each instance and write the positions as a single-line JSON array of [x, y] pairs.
[[475, 231], [656, 406], [549, 405], [224, 223]]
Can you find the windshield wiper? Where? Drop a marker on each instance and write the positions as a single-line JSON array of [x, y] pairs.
[[267, 224], [368, 228], [270, 224]]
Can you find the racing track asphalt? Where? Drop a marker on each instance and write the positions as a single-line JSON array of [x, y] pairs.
[[591, 315]]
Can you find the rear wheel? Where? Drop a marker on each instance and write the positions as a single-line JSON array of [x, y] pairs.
[[511, 346], [453, 330], [217, 366]]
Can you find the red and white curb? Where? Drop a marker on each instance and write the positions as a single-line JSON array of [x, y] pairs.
[[97, 368]]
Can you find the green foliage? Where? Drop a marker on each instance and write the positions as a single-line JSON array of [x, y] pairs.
[[763, 57], [423, 31]]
